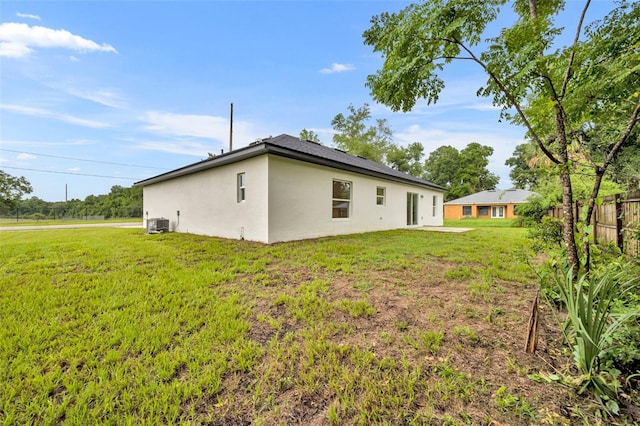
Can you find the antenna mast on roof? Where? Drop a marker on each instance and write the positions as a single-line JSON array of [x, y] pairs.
[[231, 129]]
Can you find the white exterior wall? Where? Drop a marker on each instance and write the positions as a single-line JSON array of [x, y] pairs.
[[300, 202], [208, 204]]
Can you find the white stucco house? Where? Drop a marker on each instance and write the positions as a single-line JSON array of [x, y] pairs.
[[283, 188]]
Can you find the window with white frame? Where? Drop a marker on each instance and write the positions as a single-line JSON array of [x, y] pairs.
[[242, 187], [435, 203], [380, 195], [341, 199]]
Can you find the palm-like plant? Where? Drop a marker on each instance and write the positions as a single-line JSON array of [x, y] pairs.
[[590, 325]]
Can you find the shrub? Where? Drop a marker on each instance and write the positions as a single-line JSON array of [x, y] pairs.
[[590, 328], [546, 234], [38, 217], [533, 211]]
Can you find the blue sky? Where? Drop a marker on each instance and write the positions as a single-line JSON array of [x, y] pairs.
[[143, 87]]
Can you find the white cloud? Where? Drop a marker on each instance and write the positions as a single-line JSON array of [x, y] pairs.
[[28, 16], [74, 169], [106, 97], [201, 126], [199, 149], [74, 59], [24, 156], [17, 40], [335, 67], [482, 107], [13, 50], [38, 112]]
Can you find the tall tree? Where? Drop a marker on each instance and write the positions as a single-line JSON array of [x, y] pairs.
[[473, 171], [441, 166], [309, 135], [12, 189], [462, 172], [407, 159], [525, 169], [555, 92], [356, 137]]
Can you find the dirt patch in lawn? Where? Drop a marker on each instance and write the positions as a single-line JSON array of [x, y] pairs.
[[481, 328]]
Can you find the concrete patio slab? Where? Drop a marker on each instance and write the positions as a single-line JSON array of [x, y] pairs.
[[443, 229]]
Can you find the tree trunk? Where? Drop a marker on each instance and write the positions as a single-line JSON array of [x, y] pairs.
[[568, 225], [586, 246]]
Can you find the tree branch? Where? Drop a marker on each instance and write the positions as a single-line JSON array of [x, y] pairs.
[[623, 138], [601, 170], [550, 84], [513, 102], [453, 57], [567, 74]]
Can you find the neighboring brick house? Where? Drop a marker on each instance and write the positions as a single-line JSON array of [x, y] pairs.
[[490, 204]]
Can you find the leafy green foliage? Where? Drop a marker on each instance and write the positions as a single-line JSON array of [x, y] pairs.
[[625, 351], [549, 193], [407, 159], [578, 103], [461, 172], [518, 404], [625, 170], [547, 234], [12, 189], [590, 327], [534, 210], [353, 135], [418, 42], [121, 202], [375, 142], [524, 170], [309, 135]]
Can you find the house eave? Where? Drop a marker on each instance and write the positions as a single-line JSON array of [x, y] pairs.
[[282, 152], [267, 148], [218, 161]]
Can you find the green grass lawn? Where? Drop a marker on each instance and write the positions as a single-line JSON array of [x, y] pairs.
[[113, 326], [481, 223]]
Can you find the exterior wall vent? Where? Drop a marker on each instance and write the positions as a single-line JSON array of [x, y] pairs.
[[156, 224]]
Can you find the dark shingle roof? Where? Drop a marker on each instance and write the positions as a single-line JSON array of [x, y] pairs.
[[495, 196], [292, 147]]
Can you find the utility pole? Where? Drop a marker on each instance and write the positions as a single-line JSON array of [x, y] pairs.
[[231, 129]]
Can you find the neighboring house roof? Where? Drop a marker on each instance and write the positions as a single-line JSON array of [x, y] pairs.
[[298, 149], [494, 196]]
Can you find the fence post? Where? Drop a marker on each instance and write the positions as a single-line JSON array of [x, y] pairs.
[[619, 224], [594, 222]]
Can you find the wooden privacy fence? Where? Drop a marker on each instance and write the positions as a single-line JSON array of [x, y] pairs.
[[616, 220]]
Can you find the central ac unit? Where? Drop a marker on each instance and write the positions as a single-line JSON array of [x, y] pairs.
[[157, 224]]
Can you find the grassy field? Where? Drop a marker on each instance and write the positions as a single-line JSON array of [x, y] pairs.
[[113, 326]]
